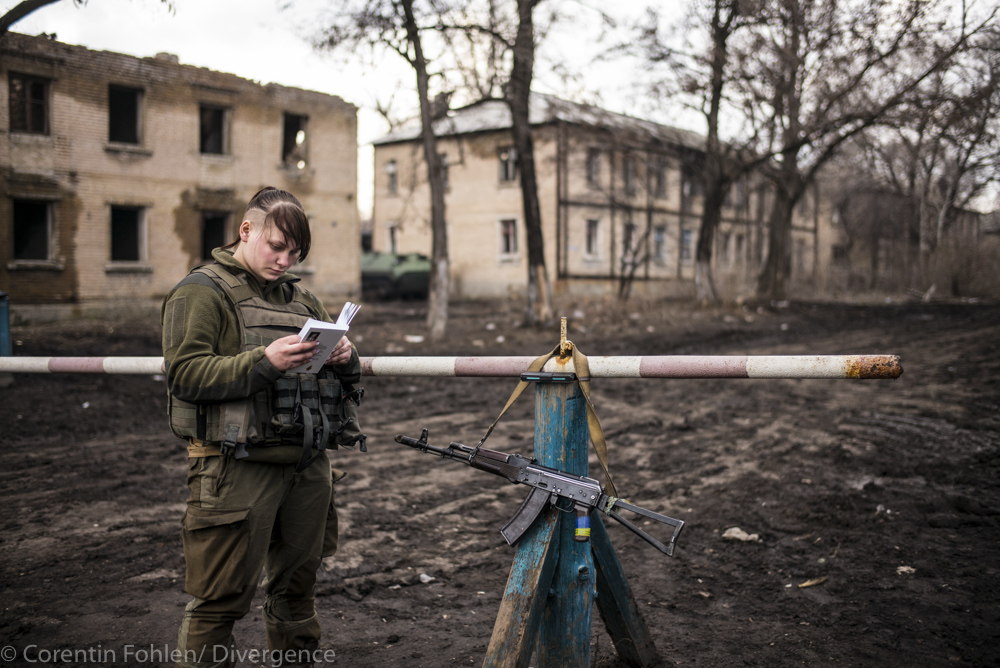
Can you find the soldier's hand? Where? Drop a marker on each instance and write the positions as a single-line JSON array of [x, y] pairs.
[[289, 352], [341, 352]]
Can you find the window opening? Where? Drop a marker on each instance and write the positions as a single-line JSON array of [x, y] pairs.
[[508, 237], [660, 244], [213, 129], [32, 223], [445, 176], [29, 104], [593, 167], [293, 147], [593, 229], [392, 173], [508, 164], [126, 234], [124, 105], [214, 231]]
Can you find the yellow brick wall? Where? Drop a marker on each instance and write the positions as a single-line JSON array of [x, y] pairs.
[[77, 168]]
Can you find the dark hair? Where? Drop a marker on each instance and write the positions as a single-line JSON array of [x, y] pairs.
[[282, 209]]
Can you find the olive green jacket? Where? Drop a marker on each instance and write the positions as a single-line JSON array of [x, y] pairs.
[[201, 341]]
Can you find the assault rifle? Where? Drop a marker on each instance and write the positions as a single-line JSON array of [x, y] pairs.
[[548, 485]]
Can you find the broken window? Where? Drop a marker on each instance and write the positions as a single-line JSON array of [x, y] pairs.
[[214, 226], [127, 233], [213, 129], [293, 145], [508, 164], [124, 108], [32, 229], [29, 104]]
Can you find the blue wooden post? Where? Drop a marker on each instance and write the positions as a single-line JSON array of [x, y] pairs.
[[4, 325], [549, 597], [562, 440]]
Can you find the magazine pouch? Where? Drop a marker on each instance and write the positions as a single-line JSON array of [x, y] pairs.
[[285, 396], [340, 402]]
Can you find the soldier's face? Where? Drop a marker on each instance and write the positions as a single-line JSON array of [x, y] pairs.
[[265, 252]]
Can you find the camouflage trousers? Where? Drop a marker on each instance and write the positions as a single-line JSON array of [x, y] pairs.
[[243, 518]]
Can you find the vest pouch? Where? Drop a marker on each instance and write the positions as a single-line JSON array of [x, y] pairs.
[[285, 397], [340, 405]]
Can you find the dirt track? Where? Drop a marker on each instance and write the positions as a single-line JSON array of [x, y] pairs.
[[887, 489]]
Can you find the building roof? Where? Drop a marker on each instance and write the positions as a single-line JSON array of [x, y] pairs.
[[153, 70], [492, 115]]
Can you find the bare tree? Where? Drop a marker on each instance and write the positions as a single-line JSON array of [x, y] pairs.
[[501, 39], [940, 149], [813, 75], [397, 26], [696, 69]]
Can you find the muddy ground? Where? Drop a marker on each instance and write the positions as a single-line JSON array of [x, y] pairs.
[[887, 491]]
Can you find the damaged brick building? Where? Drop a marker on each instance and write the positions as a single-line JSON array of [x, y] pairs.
[[119, 174]]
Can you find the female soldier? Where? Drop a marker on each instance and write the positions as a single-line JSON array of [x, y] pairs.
[[259, 479]]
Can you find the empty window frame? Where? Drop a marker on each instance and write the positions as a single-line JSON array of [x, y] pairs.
[[32, 229], [392, 177], [508, 164], [128, 234], [593, 167], [29, 104], [214, 232], [592, 242], [213, 121], [508, 238], [293, 144], [124, 115]]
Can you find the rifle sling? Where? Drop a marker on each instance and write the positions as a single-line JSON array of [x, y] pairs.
[[582, 369]]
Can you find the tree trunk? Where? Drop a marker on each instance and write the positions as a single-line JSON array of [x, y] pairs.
[[437, 303], [715, 177], [539, 292], [711, 213], [771, 281]]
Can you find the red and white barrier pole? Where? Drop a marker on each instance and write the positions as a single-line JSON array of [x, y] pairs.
[[653, 366]]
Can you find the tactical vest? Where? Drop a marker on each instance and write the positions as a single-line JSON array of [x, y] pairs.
[[303, 410]]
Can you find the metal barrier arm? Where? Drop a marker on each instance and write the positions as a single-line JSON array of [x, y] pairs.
[[653, 366]]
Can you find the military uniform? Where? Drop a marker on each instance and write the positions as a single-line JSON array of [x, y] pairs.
[[267, 503]]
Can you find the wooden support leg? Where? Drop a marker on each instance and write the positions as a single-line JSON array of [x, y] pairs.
[[520, 614], [567, 620], [617, 604]]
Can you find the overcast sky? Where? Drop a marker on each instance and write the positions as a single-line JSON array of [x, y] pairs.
[[258, 40]]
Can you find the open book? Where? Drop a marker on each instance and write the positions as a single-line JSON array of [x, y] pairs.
[[326, 334]]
